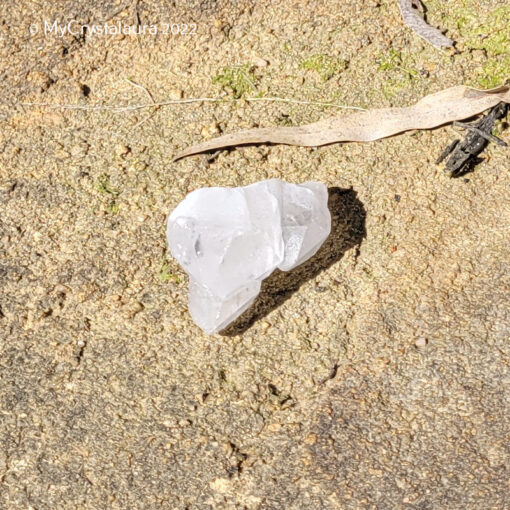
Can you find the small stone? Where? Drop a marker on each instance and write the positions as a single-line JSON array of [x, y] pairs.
[[260, 62], [80, 150], [175, 94], [140, 166], [265, 325], [122, 150], [210, 130], [220, 484], [61, 154], [421, 343], [311, 439], [40, 79], [229, 239]]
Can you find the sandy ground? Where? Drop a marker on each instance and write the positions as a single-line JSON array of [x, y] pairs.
[[374, 377]]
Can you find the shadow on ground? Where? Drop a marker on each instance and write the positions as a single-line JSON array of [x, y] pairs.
[[347, 230]]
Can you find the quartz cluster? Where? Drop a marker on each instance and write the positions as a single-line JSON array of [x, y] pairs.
[[229, 239]]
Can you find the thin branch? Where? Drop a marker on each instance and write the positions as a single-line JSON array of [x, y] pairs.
[[187, 101], [149, 95], [123, 108], [300, 101], [421, 27], [145, 89]]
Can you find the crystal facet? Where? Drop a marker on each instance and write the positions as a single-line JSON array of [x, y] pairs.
[[229, 239]]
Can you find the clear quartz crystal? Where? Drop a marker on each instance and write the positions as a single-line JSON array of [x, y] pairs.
[[229, 239]]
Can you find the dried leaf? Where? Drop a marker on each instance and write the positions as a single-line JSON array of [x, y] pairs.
[[434, 110], [421, 27]]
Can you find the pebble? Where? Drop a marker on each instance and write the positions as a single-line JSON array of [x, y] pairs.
[[220, 484], [122, 150], [265, 325], [210, 130], [311, 439], [175, 94], [40, 79], [260, 62], [421, 343]]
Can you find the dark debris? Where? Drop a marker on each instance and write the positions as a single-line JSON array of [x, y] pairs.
[[464, 155]]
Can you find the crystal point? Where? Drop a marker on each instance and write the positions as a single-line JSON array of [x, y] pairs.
[[229, 239]]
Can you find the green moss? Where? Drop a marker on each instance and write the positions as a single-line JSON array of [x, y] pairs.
[[387, 62], [393, 61], [112, 208], [166, 274], [399, 72], [487, 31], [284, 120], [494, 73], [325, 65], [391, 88], [239, 80], [104, 186]]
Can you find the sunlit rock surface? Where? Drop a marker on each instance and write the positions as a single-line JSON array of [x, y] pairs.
[[229, 239]]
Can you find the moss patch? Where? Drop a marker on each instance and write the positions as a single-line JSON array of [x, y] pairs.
[[399, 70], [325, 65], [239, 80], [489, 32], [104, 186], [393, 61], [166, 274]]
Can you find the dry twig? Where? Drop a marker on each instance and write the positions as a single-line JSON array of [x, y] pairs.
[[168, 102], [421, 27]]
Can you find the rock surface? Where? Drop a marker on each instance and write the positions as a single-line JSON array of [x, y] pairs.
[[111, 398], [229, 239]]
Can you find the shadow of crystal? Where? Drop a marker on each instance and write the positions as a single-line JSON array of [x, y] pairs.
[[347, 231]]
